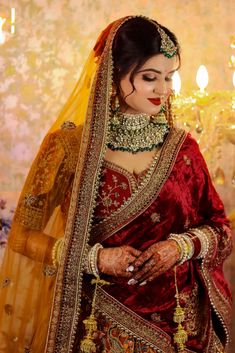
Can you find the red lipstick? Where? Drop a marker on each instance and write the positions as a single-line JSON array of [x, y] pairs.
[[155, 101]]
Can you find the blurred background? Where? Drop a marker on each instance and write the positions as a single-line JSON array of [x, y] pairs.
[[43, 46]]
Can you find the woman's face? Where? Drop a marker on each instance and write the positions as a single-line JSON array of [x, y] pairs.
[[153, 83]]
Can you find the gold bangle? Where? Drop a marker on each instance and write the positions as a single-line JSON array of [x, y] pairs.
[[92, 265], [57, 251]]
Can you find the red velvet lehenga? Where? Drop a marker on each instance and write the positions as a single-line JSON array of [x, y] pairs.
[[184, 199]]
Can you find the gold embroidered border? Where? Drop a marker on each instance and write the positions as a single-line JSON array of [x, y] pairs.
[[132, 323], [220, 304], [214, 345], [143, 197], [67, 296]]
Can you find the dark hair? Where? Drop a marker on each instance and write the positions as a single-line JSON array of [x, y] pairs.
[[135, 42]]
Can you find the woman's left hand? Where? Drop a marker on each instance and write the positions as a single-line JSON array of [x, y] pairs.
[[154, 261]]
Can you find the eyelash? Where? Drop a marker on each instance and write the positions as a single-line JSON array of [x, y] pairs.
[[149, 79]]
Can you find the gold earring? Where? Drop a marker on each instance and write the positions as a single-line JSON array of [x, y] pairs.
[[114, 101], [168, 111]]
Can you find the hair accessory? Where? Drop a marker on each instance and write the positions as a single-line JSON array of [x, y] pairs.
[[167, 48]]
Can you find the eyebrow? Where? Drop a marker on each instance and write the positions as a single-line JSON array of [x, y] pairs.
[[157, 71]]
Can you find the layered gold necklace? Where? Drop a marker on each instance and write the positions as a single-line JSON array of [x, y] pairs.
[[137, 132]]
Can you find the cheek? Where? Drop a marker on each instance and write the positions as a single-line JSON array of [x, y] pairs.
[[143, 89], [126, 87]]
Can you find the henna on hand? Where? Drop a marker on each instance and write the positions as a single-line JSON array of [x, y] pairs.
[[156, 260], [115, 261]]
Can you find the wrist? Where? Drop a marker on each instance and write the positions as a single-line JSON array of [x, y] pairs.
[[178, 249], [99, 259], [185, 246], [93, 260]]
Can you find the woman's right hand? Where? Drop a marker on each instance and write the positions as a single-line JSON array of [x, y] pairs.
[[115, 261]]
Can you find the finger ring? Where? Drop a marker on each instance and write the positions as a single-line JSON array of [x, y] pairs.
[[143, 283], [132, 281], [130, 268]]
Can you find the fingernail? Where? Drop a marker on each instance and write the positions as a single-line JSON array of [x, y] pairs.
[[132, 281], [130, 268], [143, 283]]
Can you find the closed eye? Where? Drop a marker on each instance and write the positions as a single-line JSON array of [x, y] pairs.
[[149, 78]]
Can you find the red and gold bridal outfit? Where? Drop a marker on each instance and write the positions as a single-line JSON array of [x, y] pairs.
[[184, 199], [41, 309]]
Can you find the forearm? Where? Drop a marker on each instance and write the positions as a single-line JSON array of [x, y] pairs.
[[34, 244]]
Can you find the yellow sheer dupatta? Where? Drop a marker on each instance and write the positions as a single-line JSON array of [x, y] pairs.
[[40, 307]]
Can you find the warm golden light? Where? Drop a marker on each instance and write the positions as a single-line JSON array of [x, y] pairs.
[[2, 34], [232, 40], [232, 62], [234, 78], [13, 15], [176, 83], [13, 18], [202, 78]]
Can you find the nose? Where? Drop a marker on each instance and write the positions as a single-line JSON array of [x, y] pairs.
[[161, 88]]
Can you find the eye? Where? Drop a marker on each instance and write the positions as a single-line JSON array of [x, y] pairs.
[[149, 78]]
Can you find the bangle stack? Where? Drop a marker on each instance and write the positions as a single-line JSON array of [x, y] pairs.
[[57, 251], [92, 265], [204, 242], [185, 245]]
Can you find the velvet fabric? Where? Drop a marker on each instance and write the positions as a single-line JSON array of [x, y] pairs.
[[187, 200]]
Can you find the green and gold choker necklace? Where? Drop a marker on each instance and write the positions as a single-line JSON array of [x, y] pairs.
[[137, 132]]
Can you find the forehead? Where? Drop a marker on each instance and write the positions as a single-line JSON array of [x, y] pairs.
[[161, 63]]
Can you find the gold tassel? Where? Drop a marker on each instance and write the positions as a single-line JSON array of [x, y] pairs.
[[181, 336], [87, 344]]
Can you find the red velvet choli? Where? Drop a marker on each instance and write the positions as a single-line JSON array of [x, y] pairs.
[[186, 200]]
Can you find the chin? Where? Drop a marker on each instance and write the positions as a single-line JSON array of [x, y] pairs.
[[153, 111]]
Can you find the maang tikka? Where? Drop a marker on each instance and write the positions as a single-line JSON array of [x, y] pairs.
[[167, 47]]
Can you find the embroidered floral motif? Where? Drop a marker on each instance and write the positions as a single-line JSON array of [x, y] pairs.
[[30, 200], [132, 324], [187, 160], [156, 317], [192, 311], [155, 217], [111, 193], [49, 271], [68, 125]]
